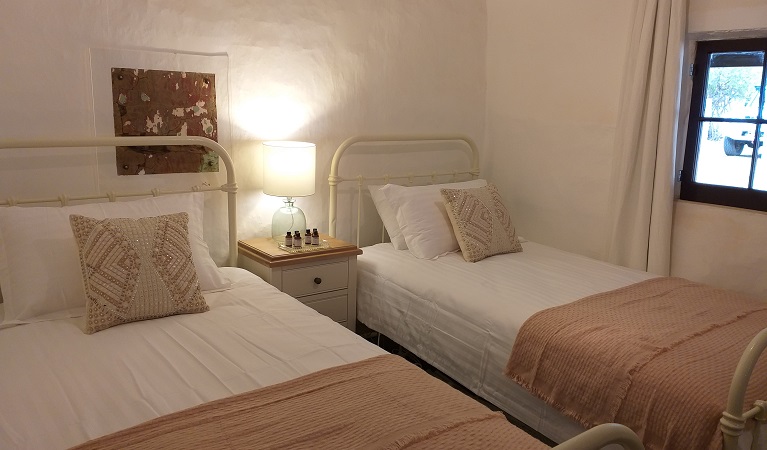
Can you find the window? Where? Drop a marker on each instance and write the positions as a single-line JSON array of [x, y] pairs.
[[724, 163]]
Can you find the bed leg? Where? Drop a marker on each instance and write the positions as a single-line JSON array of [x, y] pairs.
[[760, 419], [732, 427]]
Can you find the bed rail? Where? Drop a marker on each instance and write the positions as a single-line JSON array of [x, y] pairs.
[[334, 179], [602, 435], [734, 419], [126, 141]]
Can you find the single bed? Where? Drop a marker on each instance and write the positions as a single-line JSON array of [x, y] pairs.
[[463, 318], [255, 369]]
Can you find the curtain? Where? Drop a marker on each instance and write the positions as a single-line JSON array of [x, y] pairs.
[[642, 178]]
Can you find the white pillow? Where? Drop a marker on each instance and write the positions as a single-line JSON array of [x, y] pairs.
[[422, 217], [39, 265], [388, 217]]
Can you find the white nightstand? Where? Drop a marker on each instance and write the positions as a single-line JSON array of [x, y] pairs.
[[324, 279]]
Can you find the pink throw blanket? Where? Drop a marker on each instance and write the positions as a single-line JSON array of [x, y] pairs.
[[657, 356], [378, 403]]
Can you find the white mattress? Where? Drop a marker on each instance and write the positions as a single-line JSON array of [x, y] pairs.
[[60, 387], [463, 317]]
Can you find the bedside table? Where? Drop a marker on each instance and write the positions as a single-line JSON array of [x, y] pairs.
[[323, 279]]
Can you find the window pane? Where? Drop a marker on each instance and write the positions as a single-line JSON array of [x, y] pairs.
[[724, 156], [733, 85], [760, 175]]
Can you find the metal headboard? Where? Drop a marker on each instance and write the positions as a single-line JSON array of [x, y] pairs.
[[334, 179], [230, 187]]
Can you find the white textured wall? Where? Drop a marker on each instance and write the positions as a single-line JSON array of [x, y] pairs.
[[554, 77], [721, 246], [726, 15], [315, 70], [725, 247], [323, 70]]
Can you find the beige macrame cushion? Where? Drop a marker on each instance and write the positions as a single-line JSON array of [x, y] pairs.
[[481, 223], [136, 269]]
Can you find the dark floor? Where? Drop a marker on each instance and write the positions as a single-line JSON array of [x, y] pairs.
[[396, 349]]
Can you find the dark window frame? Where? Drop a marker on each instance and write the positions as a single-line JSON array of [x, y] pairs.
[[746, 198]]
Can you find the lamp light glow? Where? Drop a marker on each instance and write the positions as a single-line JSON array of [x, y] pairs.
[[289, 171]]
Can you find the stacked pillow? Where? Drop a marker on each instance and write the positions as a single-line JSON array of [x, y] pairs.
[[40, 275], [433, 220], [481, 222], [418, 217]]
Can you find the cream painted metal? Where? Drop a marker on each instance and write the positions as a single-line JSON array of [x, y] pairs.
[[230, 187], [334, 179], [734, 419], [602, 435]]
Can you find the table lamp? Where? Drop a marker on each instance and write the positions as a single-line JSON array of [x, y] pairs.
[[289, 172]]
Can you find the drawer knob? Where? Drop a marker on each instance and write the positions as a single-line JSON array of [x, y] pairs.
[[318, 280]]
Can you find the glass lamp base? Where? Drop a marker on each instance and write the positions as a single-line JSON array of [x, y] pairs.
[[288, 218]]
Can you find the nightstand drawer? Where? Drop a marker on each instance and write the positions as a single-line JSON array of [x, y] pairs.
[[316, 279], [332, 304], [334, 266]]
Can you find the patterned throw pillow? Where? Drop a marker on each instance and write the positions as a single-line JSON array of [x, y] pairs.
[[136, 269], [481, 223]]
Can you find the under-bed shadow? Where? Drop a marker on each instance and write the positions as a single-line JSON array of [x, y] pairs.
[[394, 348]]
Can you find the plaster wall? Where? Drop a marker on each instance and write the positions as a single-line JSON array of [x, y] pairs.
[[554, 76], [554, 80], [313, 70], [726, 15], [721, 246]]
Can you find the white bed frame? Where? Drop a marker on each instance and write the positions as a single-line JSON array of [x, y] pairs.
[[596, 438], [734, 419], [334, 178], [230, 187]]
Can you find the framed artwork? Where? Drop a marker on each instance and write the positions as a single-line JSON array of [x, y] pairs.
[[144, 93], [148, 102]]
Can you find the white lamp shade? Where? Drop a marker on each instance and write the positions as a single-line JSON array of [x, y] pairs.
[[289, 168]]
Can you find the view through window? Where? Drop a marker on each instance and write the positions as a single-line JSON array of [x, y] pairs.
[[724, 161]]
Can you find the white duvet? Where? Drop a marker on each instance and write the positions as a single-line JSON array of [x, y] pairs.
[[463, 317], [60, 387]]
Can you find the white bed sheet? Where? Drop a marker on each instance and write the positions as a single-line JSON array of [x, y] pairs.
[[463, 317], [60, 387]]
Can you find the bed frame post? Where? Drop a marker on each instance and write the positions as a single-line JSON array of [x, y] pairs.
[[733, 419], [126, 141], [334, 178]]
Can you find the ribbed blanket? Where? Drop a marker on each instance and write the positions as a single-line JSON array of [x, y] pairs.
[[657, 356], [379, 403]]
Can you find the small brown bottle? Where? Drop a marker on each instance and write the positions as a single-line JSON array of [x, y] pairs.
[[297, 241], [308, 237], [315, 237], [288, 240]]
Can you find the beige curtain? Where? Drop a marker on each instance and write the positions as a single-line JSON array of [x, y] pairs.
[[642, 189]]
